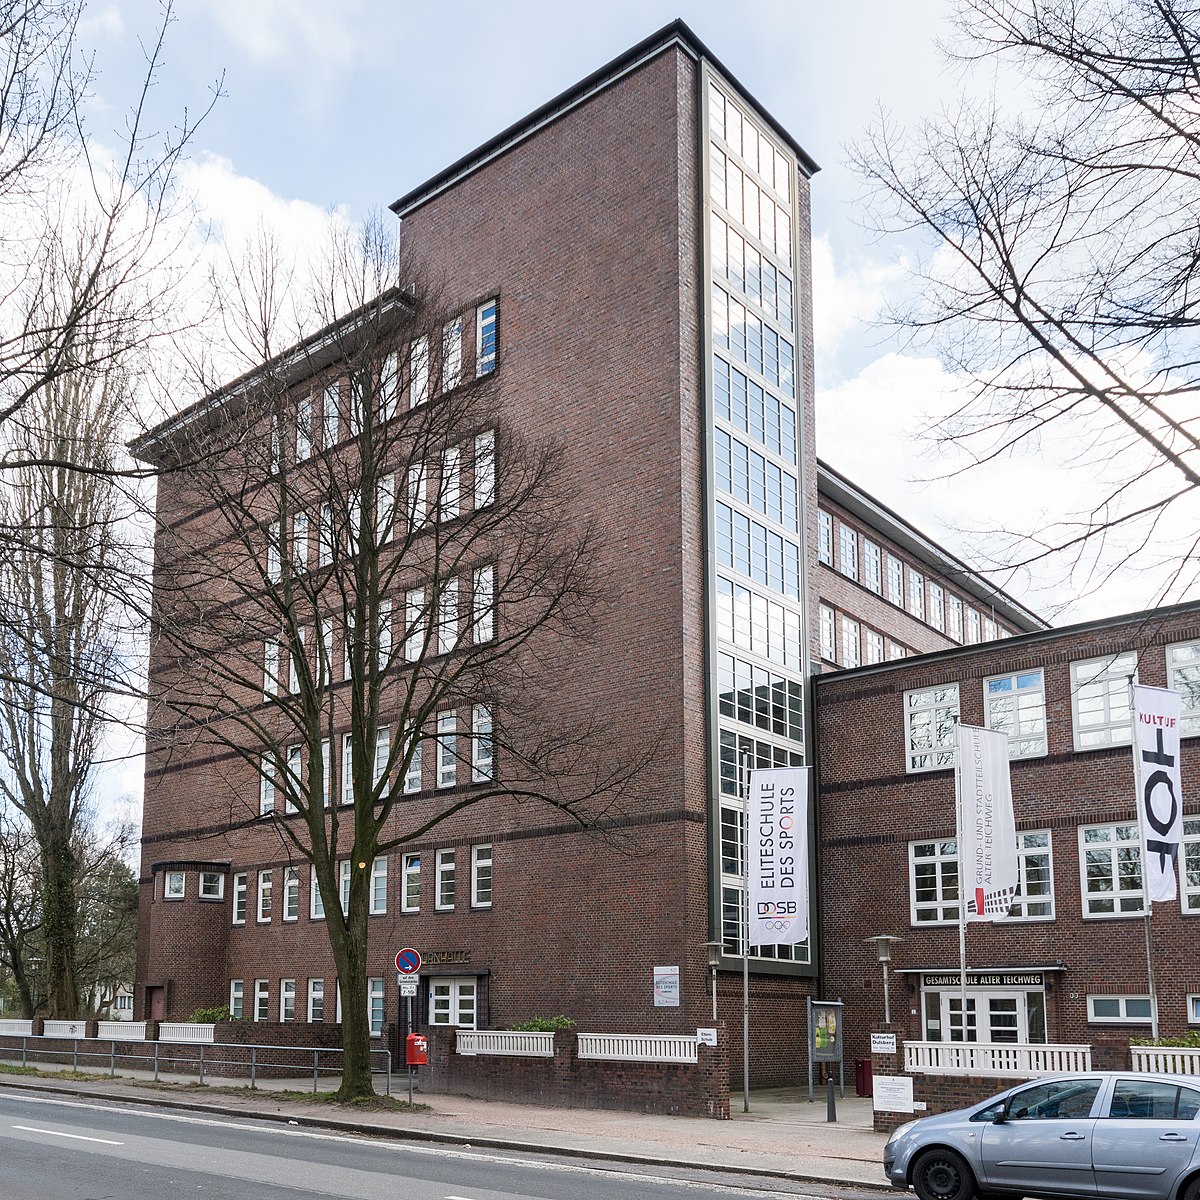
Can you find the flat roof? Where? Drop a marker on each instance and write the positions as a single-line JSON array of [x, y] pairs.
[[677, 33]]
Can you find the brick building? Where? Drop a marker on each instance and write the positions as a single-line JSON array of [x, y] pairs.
[[1069, 963], [631, 266]]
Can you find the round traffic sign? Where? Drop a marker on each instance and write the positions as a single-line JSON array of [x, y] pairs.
[[408, 961]]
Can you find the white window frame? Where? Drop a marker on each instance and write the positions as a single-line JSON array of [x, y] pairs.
[[1123, 1017], [287, 1001], [174, 885], [316, 903], [1189, 867], [874, 651], [828, 622], [211, 885], [1193, 1008], [316, 1001], [325, 537], [293, 778], [410, 887], [304, 425], [954, 612], [451, 354], [300, 541], [375, 1011], [447, 749], [937, 606], [264, 893], [274, 553], [412, 776], [347, 768], [1104, 683], [383, 752], [483, 757], [379, 886], [481, 876], [266, 785], [389, 386], [450, 490], [414, 613], [824, 538], [922, 707], [851, 642], [1183, 676], [418, 372], [916, 594], [1029, 848], [296, 658], [270, 668], [237, 999], [240, 898], [262, 1000], [383, 653], [973, 630], [895, 580], [872, 567], [945, 909], [327, 768], [291, 893], [1123, 835], [487, 314], [485, 468], [445, 882], [451, 1000], [1026, 690], [483, 624], [447, 620], [848, 551], [344, 885], [330, 417], [418, 501]]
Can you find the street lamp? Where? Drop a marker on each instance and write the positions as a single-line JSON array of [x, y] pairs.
[[883, 951], [715, 950]]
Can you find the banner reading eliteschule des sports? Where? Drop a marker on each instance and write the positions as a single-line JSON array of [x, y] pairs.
[[988, 838], [778, 856], [1156, 715]]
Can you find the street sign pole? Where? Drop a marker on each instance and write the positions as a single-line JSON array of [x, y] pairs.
[[408, 963], [407, 1031]]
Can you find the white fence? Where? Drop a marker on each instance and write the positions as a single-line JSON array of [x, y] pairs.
[[976, 1058], [122, 1031], [184, 1031], [16, 1028], [65, 1029], [637, 1047], [505, 1041], [1174, 1060]]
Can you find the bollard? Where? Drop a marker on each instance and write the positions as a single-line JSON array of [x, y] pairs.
[[315, 1053], [830, 1103]]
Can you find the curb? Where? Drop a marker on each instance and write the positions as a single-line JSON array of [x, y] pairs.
[[437, 1137]]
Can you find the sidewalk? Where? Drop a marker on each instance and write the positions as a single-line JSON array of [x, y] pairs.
[[783, 1136]]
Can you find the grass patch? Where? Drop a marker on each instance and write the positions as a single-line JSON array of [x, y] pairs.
[[9, 1069], [77, 1076], [291, 1096]]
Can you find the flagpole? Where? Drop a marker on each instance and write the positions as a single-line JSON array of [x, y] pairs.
[[745, 765], [962, 880]]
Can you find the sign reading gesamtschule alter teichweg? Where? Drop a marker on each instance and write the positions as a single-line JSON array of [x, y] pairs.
[[777, 846]]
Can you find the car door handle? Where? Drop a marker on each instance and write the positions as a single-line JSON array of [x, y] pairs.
[[1173, 1137], [1072, 1137]]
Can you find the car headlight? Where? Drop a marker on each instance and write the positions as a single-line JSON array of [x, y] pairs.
[[900, 1131]]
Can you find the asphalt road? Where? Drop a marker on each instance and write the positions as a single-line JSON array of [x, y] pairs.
[[52, 1149]]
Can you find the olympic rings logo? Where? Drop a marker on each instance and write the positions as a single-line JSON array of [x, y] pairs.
[[778, 926]]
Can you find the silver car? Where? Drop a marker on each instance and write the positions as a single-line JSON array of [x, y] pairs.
[[1104, 1134]]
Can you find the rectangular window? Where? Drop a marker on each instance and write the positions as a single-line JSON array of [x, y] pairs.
[[828, 634], [389, 387], [414, 611], [347, 769], [344, 885], [1183, 676], [485, 338], [1119, 1010], [418, 506], [325, 535], [444, 883], [448, 616], [300, 541], [873, 567], [304, 424], [850, 643], [324, 652], [896, 650], [266, 785], [485, 468], [418, 372], [291, 893], [174, 885], [329, 415], [270, 668], [237, 990], [930, 717], [383, 751], [292, 780], [450, 492], [916, 593], [990, 632], [1016, 705], [1100, 701], [1189, 868], [895, 581], [937, 606], [483, 605], [955, 611], [262, 1000], [483, 766], [447, 751], [412, 773], [327, 772], [481, 877], [287, 1000], [316, 903], [1035, 892], [824, 538], [848, 551], [451, 354], [274, 554], [1110, 870], [264, 896], [874, 646], [385, 509], [756, 696], [316, 1000], [410, 900], [972, 627], [375, 1006], [296, 661], [379, 879], [383, 658], [933, 882], [239, 898]]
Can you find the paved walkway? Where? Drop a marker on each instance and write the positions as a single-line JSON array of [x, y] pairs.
[[783, 1135]]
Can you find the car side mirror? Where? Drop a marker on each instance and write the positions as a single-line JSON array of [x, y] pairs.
[[1001, 1117]]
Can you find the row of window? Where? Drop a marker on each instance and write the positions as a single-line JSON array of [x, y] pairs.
[[749, 340], [759, 625], [747, 203], [340, 418], [433, 622], [1110, 875], [750, 548], [883, 573], [755, 411], [1015, 704], [211, 886], [749, 271], [742, 136], [850, 643], [447, 759], [758, 483]]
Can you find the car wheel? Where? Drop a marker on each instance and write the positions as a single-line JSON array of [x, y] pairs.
[[1192, 1191], [942, 1175]]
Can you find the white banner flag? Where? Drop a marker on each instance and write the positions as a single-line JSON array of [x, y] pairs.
[[987, 841], [1156, 716], [778, 856]]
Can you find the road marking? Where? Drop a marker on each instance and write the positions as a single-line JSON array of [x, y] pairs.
[[76, 1136]]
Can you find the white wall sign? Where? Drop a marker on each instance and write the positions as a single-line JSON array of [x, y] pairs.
[[893, 1093], [883, 1043], [666, 987], [706, 1037]]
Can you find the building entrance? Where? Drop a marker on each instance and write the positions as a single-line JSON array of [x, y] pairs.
[[995, 1014]]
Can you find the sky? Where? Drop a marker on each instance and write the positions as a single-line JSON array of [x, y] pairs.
[[345, 105]]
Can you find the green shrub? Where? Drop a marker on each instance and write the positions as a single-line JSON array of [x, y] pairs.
[[543, 1025], [1189, 1040], [210, 1016]]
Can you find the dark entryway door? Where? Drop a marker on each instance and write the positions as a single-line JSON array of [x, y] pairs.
[[156, 1002]]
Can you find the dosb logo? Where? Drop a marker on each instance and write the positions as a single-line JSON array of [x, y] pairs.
[[777, 908]]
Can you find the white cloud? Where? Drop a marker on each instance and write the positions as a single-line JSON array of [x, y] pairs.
[[272, 31], [105, 22]]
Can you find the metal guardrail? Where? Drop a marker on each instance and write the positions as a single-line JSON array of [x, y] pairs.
[[997, 1058], [1171, 1060], [637, 1047], [209, 1058], [505, 1041]]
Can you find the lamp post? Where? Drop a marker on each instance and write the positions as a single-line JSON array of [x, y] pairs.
[[883, 951], [714, 961]]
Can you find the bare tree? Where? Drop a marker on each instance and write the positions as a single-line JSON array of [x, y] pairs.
[[1064, 280], [365, 576], [20, 910]]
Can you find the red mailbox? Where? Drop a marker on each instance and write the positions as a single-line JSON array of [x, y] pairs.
[[416, 1050]]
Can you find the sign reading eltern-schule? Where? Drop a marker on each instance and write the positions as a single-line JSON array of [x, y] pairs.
[[777, 847]]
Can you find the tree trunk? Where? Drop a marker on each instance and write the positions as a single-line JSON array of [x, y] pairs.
[[58, 926]]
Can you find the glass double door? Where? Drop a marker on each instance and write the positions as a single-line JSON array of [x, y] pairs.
[[992, 1017]]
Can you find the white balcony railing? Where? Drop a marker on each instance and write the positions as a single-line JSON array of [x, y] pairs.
[[16, 1028], [637, 1047], [122, 1031], [980, 1058], [1173, 1060], [184, 1031], [505, 1041]]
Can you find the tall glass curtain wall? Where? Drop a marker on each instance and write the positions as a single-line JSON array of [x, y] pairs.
[[758, 508]]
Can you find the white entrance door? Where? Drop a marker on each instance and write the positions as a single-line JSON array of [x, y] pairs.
[[991, 1017], [452, 1002]]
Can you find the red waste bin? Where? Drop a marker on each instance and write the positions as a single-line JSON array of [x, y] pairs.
[[416, 1050], [864, 1082]]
